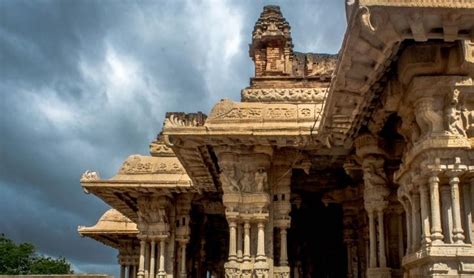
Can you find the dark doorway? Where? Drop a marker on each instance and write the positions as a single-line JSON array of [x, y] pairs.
[[316, 247]]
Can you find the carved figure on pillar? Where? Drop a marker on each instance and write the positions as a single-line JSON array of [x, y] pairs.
[[229, 179], [454, 119], [261, 180]]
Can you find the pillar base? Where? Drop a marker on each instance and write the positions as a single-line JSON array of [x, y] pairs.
[[281, 272], [379, 272], [261, 269], [232, 269]]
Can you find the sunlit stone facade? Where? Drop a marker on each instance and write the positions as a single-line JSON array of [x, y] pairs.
[[351, 165]]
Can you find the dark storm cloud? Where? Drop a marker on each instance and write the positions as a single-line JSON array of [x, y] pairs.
[[86, 83]]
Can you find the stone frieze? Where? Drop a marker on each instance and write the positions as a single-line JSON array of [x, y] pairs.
[[284, 95]]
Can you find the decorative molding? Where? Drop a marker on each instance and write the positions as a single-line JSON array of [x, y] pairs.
[[137, 164], [229, 110], [180, 119], [291, 95]]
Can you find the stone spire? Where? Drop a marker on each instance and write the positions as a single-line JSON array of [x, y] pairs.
[[272, 47]]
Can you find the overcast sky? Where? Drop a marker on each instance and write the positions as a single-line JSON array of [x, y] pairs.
[[84, 84]]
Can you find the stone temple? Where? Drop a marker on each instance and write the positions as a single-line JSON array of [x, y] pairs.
[[359, 164]]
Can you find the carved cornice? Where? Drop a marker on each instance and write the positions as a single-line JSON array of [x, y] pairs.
[[288, 95]]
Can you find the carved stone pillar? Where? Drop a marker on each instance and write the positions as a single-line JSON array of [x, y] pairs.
[[447, 214], [283, 247], [183, 231], [416, 220], [141, 263], [261, 242], [458, 233], [182, 270], [376, 193], [147, 259], [232, 241], [247, 241], [408, 219], [152, 258], [425, 214], [161, 268], [382, 257], [372, 241], [436, 231], [239, 242]]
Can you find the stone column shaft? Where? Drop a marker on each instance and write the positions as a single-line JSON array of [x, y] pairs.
[[283, 247], [458, 233], [141, 263], [183, 260], [247, 241], [232, 241], [152, 259], [147, 260], [382, 258], [447, 220], [161, 270], [436, 230], [425, 215], [416, 219], [372, 241], [261, 242], [408, 219], [239, 242]]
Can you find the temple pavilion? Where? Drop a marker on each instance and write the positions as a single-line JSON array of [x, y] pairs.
[[359, 164]]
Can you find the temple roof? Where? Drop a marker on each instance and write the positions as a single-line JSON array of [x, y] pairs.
[[110, 228], [161, 173]]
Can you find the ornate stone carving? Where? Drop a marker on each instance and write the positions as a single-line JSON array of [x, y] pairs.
[[455, 121], [228, 110], [179, 119], [153, 218], [261, 180], [137, 164], [90, 176], [229, 179], [271, 48], [159, 149], [428, 119], [284, 95], [375, 180], [243, 180]]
